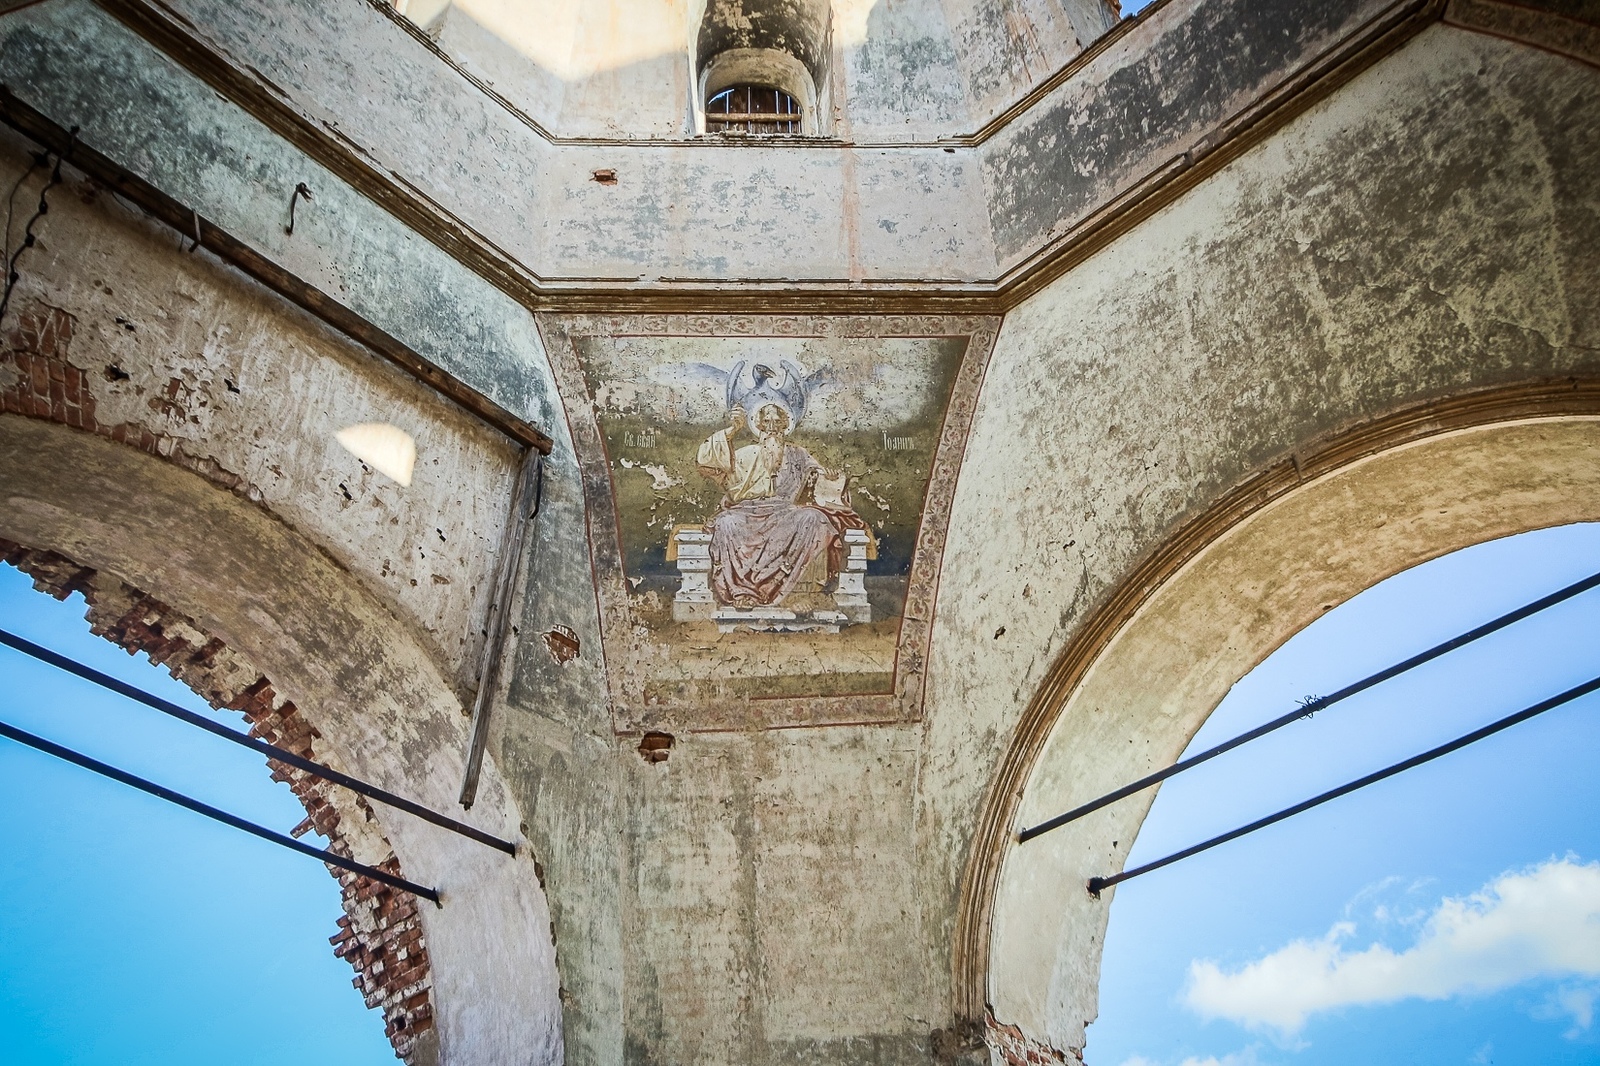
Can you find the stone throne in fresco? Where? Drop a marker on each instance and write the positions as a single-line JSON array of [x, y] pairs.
[[784, 551]]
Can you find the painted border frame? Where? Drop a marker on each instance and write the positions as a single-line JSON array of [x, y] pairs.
[[630, 714]]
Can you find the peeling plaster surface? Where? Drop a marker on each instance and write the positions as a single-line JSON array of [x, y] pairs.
[[1428, 229], [1146, 102], [899, 196], [1152, 689], [766, 896], [222, 374], [164, 125], [371, 690], [1005, 47], [360, 599]]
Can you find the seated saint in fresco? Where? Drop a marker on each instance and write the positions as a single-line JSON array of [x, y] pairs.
[[771, 534]]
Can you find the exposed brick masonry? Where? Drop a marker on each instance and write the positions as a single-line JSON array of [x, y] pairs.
[[379, 933], [1016, 1049], [37, 380]]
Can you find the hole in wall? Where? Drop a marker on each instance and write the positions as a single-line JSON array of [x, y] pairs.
[[563, 644], [655, 747]]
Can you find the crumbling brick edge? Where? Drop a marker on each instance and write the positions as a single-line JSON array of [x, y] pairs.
[[380, 934], [38, 380], [1015, 1048]]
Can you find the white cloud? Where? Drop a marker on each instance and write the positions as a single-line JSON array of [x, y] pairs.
[[1575, 1002], [1541, 922], [1247, 1057], [1578, 1002]]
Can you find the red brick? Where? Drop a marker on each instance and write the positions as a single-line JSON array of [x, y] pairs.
[[401, 988]]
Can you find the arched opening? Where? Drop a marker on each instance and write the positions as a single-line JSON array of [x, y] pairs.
[[134, 931], [362, 678], [1358, 509], [762, 92], [1327, 937], [755, 109]]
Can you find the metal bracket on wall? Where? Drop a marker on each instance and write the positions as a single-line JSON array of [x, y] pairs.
[[524, 508]]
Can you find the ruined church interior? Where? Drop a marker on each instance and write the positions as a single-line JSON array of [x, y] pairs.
[[692, 481]]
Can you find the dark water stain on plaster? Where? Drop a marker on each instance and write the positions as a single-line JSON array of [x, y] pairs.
[[1407, 255], [1095, 139], [798, 27]]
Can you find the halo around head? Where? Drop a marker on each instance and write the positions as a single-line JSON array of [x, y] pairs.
[[772, 405]]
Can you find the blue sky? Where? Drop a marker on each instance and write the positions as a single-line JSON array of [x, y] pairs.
[[133, 932], [1448, 915]]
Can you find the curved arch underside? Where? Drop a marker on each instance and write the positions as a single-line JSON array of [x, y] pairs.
[[356, 672], [1133, 707], [819, 872]]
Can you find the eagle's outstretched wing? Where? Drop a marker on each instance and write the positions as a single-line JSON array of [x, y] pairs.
[[795, 390]]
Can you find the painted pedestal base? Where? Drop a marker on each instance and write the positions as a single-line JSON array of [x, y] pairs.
[[694, 601]]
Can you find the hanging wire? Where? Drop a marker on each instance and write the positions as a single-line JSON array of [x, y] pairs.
[[28, 236]]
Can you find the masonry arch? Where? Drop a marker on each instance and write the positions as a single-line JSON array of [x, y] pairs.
[[1140, 677], [358, 674]]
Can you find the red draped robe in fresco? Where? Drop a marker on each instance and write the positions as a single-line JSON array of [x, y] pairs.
[[765, 541]]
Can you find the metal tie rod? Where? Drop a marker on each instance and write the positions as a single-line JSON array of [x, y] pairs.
[[272, 751], [1097, 884], [50, 748], [1313, 706]]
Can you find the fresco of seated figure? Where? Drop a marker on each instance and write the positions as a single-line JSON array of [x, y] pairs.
[[771, 535]]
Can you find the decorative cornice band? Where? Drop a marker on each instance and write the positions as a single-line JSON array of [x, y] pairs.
[[1166, 182]]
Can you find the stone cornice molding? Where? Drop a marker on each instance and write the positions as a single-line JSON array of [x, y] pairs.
[[1162, 184], [1530, 25]]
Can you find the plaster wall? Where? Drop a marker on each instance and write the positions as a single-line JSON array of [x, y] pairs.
[[706, 210], [1430, 229], [1148, 693], [779, 896], [748, 900], [1144, 105], [1004, 48], [916, 191], [902, 79], [358, 675], [624, 69], [362, 599], [140, 107], [604, 71], [1415, 236], [232, 383]]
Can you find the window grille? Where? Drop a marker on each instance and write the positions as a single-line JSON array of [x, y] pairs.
[[753, 109]]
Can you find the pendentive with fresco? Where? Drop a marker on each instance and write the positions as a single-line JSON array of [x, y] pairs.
[[775, 493]]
